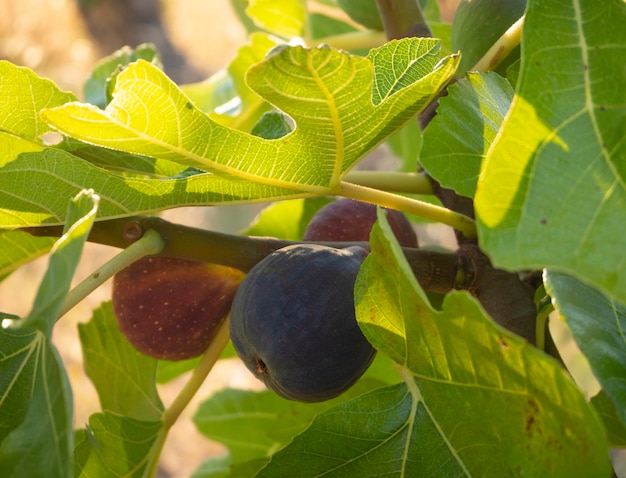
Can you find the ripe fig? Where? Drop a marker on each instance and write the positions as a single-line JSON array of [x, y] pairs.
[[171, 308], [293, 322], [350, 220]]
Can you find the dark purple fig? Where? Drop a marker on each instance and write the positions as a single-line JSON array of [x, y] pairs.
[[351, 221], [171, 308], [294, 326]]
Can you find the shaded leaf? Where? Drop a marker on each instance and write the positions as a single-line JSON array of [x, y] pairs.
[[552, 193], [123, 377], [467, 121], [36, 436], [115, 446], [613, 422], [597, 323], [97, 88], [286, 219]]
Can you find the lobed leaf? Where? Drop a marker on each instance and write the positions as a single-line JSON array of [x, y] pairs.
[[553, 192], [476, 400], [149, 115]]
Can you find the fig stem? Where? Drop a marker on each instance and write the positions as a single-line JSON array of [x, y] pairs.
[[403, 18], [149, 243], [361, 39], [189, 390], [501, 48], [199, 374], [392, 181], [409, 205]]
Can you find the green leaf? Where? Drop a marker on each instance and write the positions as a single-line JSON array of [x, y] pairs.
[[468, 119], [66, 253], [406, 145], [597, 323], [22, 96], [17, 248], [255, 424], [97, 87], [335, 127], [286, 219], [115, 446], [110, 359], [36, 437], [286, 18], [26, 203], [615, 427], [467, 381], [552, 193]]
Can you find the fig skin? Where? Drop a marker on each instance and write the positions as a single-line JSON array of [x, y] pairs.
[[351, 221], [171, 308], [294, 326]]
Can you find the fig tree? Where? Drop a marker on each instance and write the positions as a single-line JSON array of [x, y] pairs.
[[171, 308], [293, 322], [350, 220]]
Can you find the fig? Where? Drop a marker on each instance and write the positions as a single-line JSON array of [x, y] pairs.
[[349, 220], [171, 308], [293, 322]]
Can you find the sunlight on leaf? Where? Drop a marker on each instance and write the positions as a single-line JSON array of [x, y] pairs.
[[476, 399], [18, 248], [553, 190], [286, 18], [326, 92]]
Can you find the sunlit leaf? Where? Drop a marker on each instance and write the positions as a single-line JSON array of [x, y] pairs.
[[553, 190], [335, 128], [17, 248], [286, 18]]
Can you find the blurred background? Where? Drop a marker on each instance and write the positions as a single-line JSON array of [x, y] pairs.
[[62, 40]]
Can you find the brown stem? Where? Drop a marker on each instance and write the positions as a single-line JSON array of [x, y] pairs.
[[435, 271], [403, 18]]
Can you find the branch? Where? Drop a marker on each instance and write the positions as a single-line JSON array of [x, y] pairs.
[[403, 18], [435, 271]]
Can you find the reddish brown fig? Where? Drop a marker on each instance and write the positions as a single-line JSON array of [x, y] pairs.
[[171, 308], [350, 220]]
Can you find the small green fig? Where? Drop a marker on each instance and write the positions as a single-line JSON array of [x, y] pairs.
[[171, 308]]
